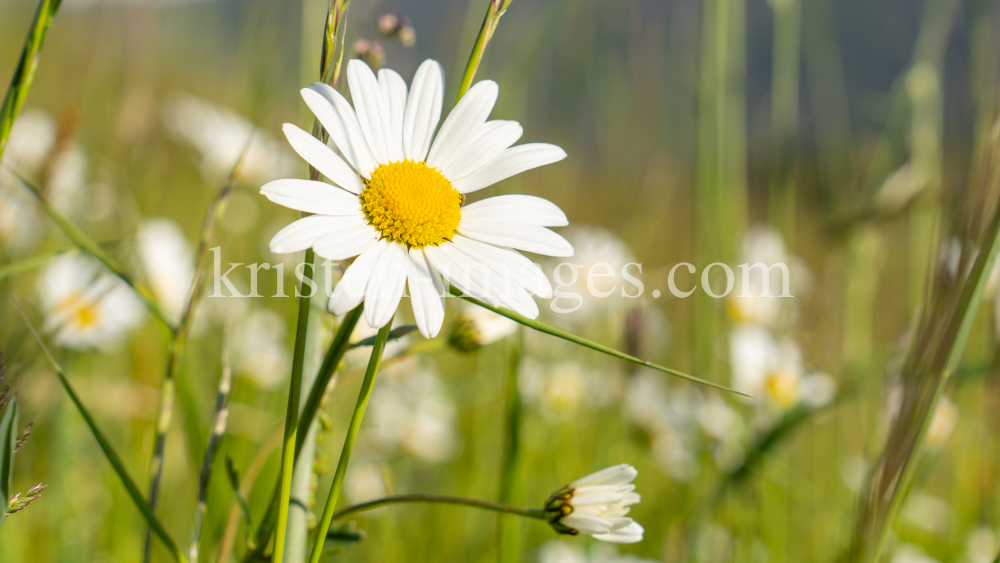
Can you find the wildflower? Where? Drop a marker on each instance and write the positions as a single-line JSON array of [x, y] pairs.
[[416, 416], [260, 338], [397, 26], [86, 306], [169, 263], [476, 327], [31, 141], [597, 505], [221, 135], [398, 207]]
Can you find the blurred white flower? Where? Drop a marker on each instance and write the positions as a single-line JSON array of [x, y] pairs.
[[31, 141], [817, 389], [765, 367], [600, 256], [67, 180], [169, 262], [87, 307], [560, 551], [28, 148], [597, 505], [221, 135], [927, 512], [909, 553], [477, 327], [943, 423], [364, 482], [607, 553], [981, 545], [259, 337], [415, 416], [557, 391]]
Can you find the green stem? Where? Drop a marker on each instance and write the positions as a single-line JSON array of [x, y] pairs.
[[509, 540], [109, 452], [495, 9], [559, 333], [168, 388], [291, 415], [352, 434], [29, 264], [536, 513], [334, 354], [24, 74]]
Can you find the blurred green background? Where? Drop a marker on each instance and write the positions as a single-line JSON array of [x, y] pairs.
[[837, 136]]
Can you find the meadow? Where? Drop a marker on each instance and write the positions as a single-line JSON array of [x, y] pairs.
[[155, 334]]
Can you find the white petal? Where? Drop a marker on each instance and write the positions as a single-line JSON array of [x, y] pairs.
[[595, 498], [373, 114], [301, 234], [463, 123], [423, 110], [494, 138], [393, 89], [510, 162], [522, 236], [322, 158], [614, 475], [528, 273], [385, 288], [587, 523], [345, 243], [350, 291], [462, 272], [503, 281], [524, 208], [426, 294], [312, 197], [630, 533], [341, 123]]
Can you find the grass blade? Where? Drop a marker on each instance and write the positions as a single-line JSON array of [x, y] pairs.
[[109, 452], [8, 445], [24, 74], [559, 333]]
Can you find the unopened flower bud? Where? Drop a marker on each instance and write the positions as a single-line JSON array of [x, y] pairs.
[[597, 505]]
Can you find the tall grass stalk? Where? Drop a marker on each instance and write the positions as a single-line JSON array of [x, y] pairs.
[[168, 388], [494, 10], [935, 351], [536, 513], [219, 420], [106, 448], [352, 434], [24, 74]]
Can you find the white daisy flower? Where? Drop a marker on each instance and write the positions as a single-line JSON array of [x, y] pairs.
[[597, 505], [86, 306], [398, 194], [169, 262]]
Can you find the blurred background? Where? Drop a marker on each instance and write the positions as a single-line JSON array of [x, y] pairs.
[[838, 137]]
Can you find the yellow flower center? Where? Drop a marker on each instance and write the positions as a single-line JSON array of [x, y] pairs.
[[783, 388], [411, 203], [81, 314]]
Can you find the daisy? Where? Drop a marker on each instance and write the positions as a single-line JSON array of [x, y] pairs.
[[597, 505], [169, 262], [397, 202], [87, 307]]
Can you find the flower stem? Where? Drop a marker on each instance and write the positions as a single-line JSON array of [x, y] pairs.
[[536, 513], [292, 415], [177, 339], [218, 429], [352, 433], [559, 333], [495, 9]]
